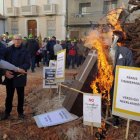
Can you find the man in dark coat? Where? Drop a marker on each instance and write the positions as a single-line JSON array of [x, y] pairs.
[[32, 46], [20, 57], [6, 65], [50, 48]]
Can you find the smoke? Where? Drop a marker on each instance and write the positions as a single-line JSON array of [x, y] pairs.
[[98, 34]]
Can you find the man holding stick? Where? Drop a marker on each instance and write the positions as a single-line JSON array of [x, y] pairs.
[[20, 57]]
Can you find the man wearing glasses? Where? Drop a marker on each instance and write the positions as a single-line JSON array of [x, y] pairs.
[[20, 57]]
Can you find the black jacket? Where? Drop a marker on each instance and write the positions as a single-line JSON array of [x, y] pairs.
[[19, 57], [32, 46], [123, 56]]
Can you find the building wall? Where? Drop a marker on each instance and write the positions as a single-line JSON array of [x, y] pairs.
[[2, 26], [83, 23], [43, 28]]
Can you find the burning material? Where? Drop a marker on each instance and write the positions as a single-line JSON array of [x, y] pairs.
[[103, 82], [134, 5], [113, 18], [116, 18]]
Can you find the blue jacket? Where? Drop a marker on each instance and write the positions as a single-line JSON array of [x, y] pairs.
[[19, 57]]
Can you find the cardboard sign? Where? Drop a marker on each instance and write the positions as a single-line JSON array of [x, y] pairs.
[[49, 77], [126, 101], [60, 67], [56, 117], [92, 110], [52, 63]]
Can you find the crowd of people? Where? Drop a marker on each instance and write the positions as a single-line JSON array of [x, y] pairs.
[[46, 50], [17, 55]]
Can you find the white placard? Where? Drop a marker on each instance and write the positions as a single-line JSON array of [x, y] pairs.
[[126, 101], [56, 117], [60, 67], [49, 77], [92, 110], [52, 63]]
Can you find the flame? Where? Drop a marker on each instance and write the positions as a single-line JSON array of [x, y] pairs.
[[113, 18], [103, 82]]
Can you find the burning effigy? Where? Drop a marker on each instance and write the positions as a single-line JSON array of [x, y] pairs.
[[104, 79], [101, 42], [105, 44]]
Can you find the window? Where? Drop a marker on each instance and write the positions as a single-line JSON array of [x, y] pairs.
[[31, 2], [83, 7], [51, 28], [14, 26], [14, 3], [109, 5]]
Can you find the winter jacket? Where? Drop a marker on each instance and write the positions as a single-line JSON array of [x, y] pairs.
[[19, 57], [123, 56], [57, 48], [50, 47], [72, 51], [32, 46]]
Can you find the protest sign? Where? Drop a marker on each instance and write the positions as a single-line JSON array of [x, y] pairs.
[[49, 77], [126, 101], [52, 63], [60, 67], [55, 117], [92, 110]]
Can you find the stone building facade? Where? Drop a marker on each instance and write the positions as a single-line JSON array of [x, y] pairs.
[[45, 17]]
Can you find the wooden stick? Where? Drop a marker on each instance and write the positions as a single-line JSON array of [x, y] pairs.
[[59, 91], [72, 89], [91, 129], [127, 129]]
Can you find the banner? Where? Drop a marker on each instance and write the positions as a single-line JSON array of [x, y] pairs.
[[49, 77], [126, 100], [60, 67], [92, 110], [55, 117]]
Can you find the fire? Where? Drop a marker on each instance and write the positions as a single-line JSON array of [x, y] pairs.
[[103, 82], [113, 18]]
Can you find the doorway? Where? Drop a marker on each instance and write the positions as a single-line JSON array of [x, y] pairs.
[[32, 27]]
